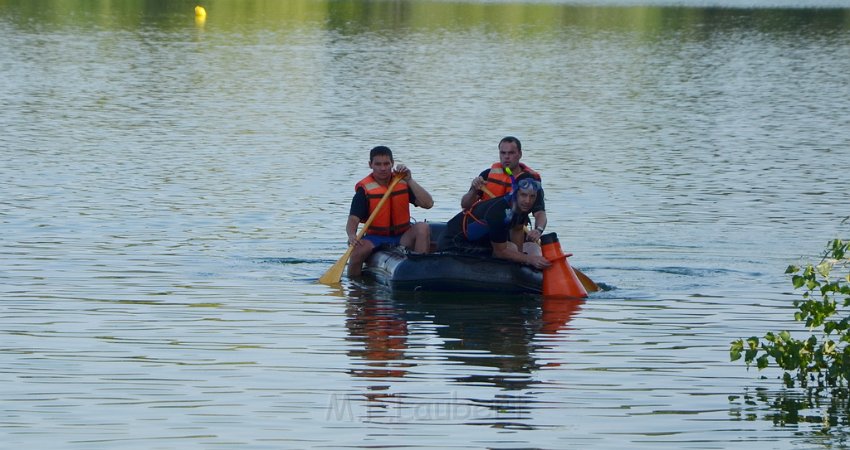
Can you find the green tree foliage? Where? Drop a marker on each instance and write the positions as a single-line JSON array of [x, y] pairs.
[[824, 357]]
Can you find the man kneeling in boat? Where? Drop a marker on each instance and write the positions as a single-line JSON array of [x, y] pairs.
[[486, 227], [392, 223]]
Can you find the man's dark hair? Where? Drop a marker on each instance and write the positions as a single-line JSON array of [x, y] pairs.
[[380, 151], [511, 140]]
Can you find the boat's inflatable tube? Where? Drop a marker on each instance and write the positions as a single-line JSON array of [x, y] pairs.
[[404, 271]]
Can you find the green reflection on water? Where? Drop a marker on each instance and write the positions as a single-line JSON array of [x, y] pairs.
[[356, 16]]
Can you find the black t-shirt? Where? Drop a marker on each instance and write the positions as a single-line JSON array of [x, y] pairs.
[[360, 204], [539, 204]]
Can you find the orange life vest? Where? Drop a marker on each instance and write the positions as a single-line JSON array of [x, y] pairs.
[[394, 217], [499, 182]]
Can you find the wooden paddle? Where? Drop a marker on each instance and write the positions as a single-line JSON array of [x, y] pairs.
[[334, 274], [488, 192], [585, 280]]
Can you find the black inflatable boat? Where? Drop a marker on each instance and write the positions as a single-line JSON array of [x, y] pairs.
[[402, 270]]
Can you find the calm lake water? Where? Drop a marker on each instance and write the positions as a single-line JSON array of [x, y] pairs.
[[172, 189]]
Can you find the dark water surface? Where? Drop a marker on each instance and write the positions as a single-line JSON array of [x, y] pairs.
[[172, 189]]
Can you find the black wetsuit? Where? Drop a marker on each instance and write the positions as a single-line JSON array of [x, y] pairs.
[[490, 221]]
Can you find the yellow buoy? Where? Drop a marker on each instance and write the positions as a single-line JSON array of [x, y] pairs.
[[200, 15]]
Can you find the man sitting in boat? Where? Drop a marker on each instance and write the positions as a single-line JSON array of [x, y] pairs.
[[496, 181], [392, 223], [486, 227]]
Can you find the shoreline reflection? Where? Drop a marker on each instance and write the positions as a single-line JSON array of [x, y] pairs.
[[817, 415]]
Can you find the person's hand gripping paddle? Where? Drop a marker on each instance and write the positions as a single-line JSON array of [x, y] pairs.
[[334, 274]]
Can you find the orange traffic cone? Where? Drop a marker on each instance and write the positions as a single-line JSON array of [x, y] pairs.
[[559, 279]]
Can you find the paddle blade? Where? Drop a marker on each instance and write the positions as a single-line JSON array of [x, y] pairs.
[[585, 280], [334, 274]]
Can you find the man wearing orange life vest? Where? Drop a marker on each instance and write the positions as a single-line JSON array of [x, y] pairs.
[[498, 181], [392, 223]]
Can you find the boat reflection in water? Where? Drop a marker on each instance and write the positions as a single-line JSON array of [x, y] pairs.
[[496, 338], [480, 330], [380, 329]]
